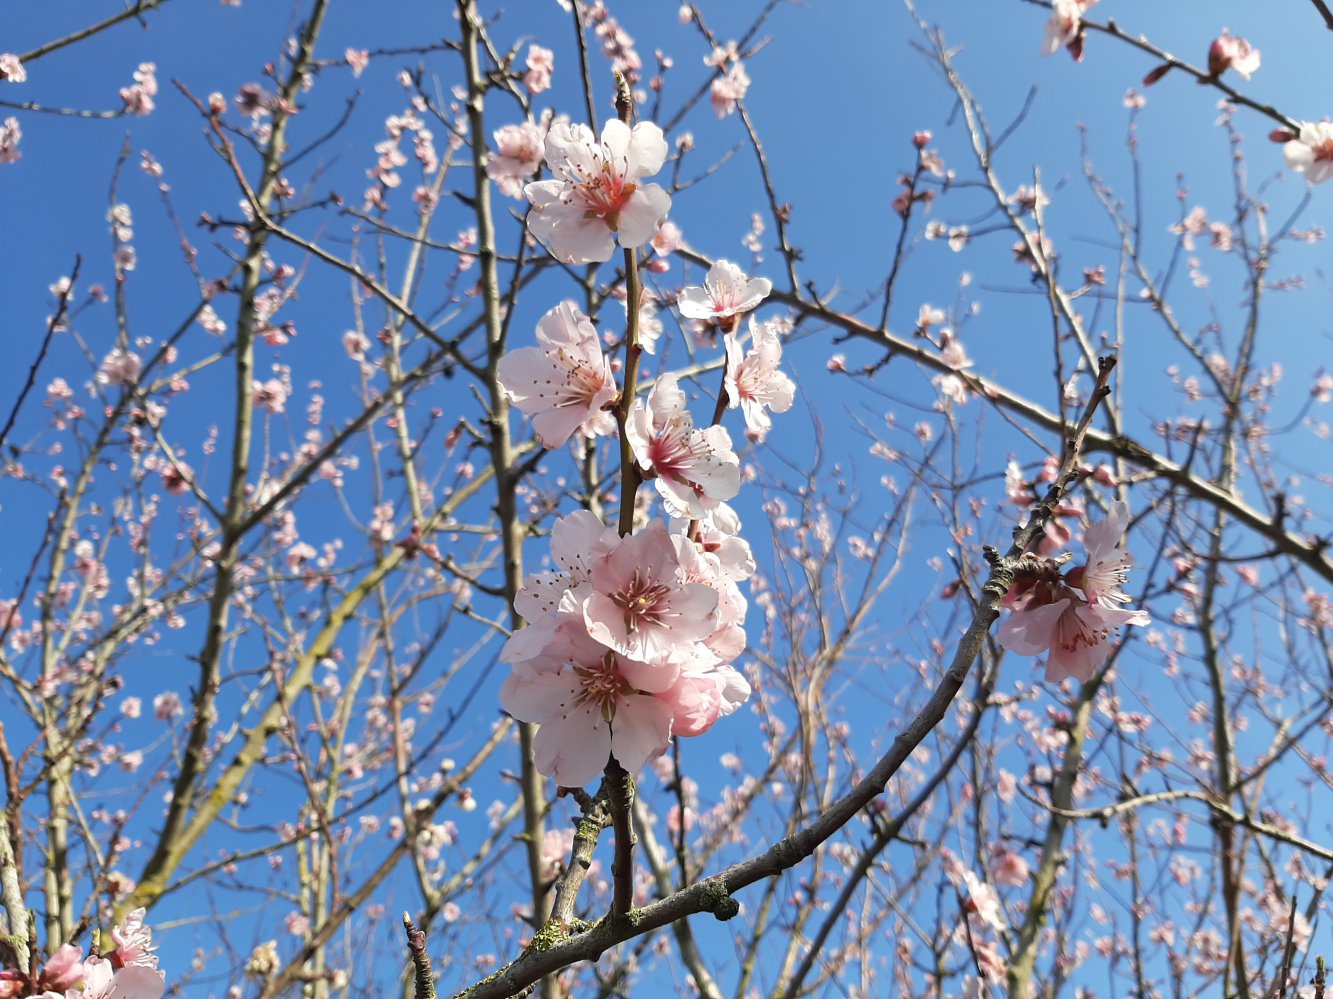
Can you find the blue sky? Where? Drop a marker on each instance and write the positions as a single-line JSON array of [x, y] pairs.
[[838, 91]]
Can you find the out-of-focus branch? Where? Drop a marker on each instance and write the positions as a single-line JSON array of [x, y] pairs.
[[138, 8], [16, 914], [505, 469], [52, 325]]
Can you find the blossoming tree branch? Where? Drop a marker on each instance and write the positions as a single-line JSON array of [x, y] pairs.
[[510, 502]]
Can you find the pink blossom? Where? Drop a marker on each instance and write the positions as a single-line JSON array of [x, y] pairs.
[[565, 383], [167, 706], [103, 981], [1074, 630], [577, 541], [270, 395], [726, 292], [638, 605], [10, 134], [176, 477], [63, 969], [517, 157], [356, 344], [928, 316], [557, 845], [728, 89], [953, 387], [650, 325], [717, 535], [134, 941], [1311, 152], [702, 695], [753, 381], [692, 469], [597, 195], [120, 367], [982, 902], [589, 703], [667, 239], [358, 59], [1232, 51], [541, 64], [1009, 867], [1107, 566], [138, 97], [11, 69], [1065, 28]]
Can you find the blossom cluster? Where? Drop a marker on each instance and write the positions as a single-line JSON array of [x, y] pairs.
[[127, 970], [631, 638], [1072, 615], [629, 643]]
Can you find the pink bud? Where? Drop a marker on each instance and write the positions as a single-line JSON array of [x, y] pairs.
[[921, 138], [1157, 73]]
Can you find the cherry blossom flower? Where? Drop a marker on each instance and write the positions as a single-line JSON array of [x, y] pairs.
[[1311, 152], [667, 239], [10, 134], [1065, 28], [11, 69], [693, 469], [952, 386], [701, 696], [134, 942], [63, 969], [1107, 566], [729, 88], [717, 534], [638, 605], [726, 293], [541, 64], [590, 703], [1009, 867], [120, 367], [167, 706], [753, 381], [1230, 51], [358, 60], [564, 383], [129, 970], [598, 195], [1074, 629], [577, 541], [982, 902], [517, 157], [138, 97], [102, 980], [270, 395], [1029, 198], [557, 845]]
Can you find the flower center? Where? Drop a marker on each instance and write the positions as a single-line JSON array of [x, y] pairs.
[[603, 193], [601, 684], [642, 602], [1324, 151]]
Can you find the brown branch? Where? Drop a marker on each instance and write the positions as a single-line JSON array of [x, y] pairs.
[[52, 325], [137, 9]]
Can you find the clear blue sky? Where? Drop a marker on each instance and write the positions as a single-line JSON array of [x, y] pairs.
[[837, 94]]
